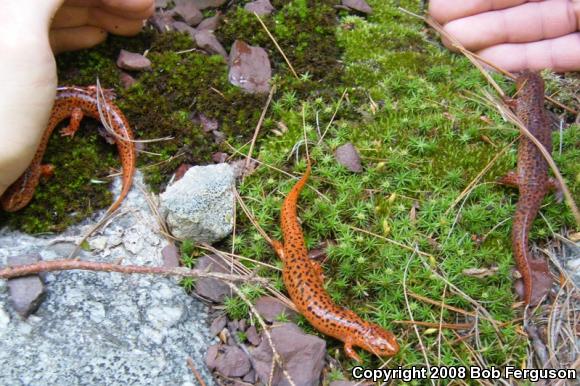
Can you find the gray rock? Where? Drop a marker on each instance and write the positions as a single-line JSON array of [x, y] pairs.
[[188, 12], [347, 155], [261, 7], [212, 289], [253, 336], [170, 255], [218, 325], [358, 5], [207, 41], [233, 362], [250, 377], [132, 61], [200, 205], [26, 293], [98, 328], [271, 309], [203, 4], [302, 354], [250, 68], [211, 23]]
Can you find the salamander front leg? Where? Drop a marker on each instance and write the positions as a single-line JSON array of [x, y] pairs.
[[76, 117], [510, 179], [350, 350]]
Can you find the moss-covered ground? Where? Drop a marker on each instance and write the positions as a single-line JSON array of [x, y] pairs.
[[423, 138]]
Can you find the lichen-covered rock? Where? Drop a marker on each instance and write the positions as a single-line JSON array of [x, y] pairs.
[[302, 355], [98, 328], [200, 205], [250, 68]]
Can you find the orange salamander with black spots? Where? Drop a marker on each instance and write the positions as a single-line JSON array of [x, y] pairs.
[[531, 176], [74, 102], [303, 279]]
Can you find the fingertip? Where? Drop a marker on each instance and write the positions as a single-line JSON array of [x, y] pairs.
[[76, 38]]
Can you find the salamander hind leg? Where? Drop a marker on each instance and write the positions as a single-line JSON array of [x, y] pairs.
[[46, 171], [349, 350], [76, 117], [317, 268]]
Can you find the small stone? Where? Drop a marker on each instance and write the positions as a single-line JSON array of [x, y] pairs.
[[126, 80], [250, 68], [208, 124], [233, 363], [271, 309], [181, 26], [211, 358], [161, 21], [253, 336], [203, 4], [211, 23], [261, 7], [233, 326], [217, 325], [26, 293], [188, 12], [207, 41], [358, 5], [170, 254], [181, 170], [212, 289], [347, 155], [219, 157], [242, 325], [132, 61], [218, 136]]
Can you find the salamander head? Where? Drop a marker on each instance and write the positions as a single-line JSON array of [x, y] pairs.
[[379, 341]]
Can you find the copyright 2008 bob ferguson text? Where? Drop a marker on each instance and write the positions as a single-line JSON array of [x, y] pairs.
[[408, 374]]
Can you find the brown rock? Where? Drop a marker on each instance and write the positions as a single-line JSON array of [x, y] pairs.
[[170, 254], [218, 325], [358, 5], [188, 12], [132, 61], [271, 308], [207, 41], [261, 7], [219, 157], [347, 155], [210, 23], [209, 288], [253, 336], [249, 68], [26, 293], [233, 362], [181, 170], [302, 354]]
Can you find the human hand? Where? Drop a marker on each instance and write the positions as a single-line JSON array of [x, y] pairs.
[[515, 34], [28, 69]]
